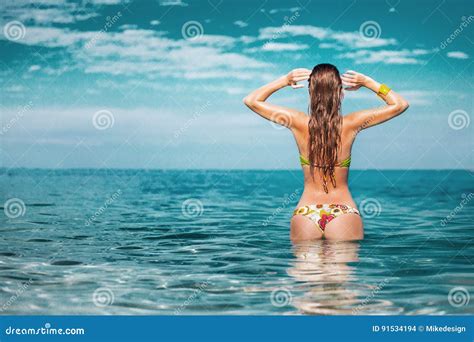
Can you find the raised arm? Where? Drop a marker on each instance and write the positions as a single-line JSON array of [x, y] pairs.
[[288, 117], [395, 103]]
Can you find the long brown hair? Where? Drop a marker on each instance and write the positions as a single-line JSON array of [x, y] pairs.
[[325, 90]]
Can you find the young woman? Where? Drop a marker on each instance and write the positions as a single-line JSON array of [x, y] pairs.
[[324, 139]]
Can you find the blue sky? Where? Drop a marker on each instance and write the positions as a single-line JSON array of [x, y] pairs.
[[158, 84]]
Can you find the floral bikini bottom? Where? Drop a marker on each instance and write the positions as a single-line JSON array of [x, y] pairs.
[[322, 214]]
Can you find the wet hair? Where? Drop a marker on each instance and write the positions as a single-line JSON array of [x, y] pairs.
[[325, 90]]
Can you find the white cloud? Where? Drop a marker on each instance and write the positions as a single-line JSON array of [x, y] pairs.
[[34, 68], [15, 88], [128, 27], [155, 22], [107, 2], [241, 23], [331, 46], [54, 37], [386, 56], [46, 12], [457, 55], [355, 40], [148, 53], [351, 40], [284, 47], [173, 3], [293, 31], [278, 10]]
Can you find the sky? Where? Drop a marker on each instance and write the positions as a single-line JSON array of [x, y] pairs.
[[159, 84]]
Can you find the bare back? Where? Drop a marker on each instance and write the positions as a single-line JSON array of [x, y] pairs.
[[313, 188]]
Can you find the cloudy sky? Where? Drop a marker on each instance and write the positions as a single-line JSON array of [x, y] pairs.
[[159, 84]]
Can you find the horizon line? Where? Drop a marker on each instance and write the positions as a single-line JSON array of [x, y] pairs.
[[2, 168]]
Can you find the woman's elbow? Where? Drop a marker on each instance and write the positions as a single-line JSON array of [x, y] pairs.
[[249, 102], [246, 100], [402, 106], [405, 105]]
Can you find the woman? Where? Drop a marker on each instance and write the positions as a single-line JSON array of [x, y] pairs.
[[324, 139]]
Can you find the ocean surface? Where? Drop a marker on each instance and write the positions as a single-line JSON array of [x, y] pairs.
[[217, 242]]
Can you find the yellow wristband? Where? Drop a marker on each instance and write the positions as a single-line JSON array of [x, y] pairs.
[[383, 90]]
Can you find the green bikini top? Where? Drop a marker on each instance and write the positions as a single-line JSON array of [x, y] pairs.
[[345, 163]]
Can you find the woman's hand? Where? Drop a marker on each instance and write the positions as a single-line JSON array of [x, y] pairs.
[[297, 75], [354, 80]]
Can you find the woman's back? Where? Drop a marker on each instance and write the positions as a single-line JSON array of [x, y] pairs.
[[314, 189]]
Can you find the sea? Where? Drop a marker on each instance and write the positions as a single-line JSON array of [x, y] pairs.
[[216, 242]]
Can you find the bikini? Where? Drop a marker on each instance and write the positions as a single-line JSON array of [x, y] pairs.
[[322, 214]]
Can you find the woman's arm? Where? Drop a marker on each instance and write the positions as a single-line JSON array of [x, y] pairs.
[[288, 117], [395, 103]]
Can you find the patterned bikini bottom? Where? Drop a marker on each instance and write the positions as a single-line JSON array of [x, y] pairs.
[[322, 214]]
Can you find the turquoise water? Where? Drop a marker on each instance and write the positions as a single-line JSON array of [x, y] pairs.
[[216, 242]]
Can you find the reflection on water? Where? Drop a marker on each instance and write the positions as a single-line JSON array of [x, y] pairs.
[[217, 242], [331, 284]]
